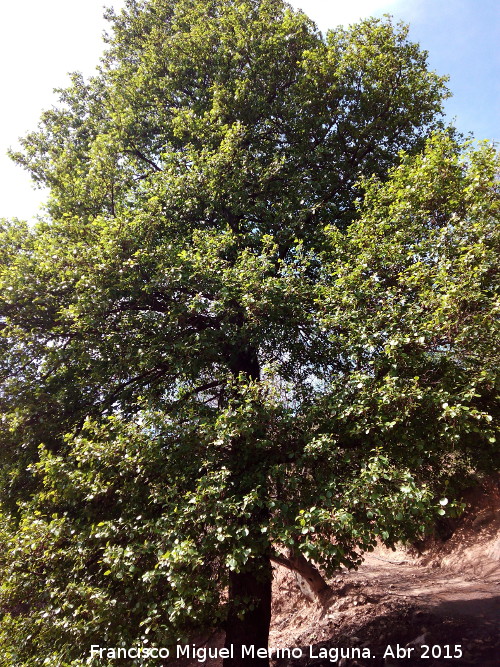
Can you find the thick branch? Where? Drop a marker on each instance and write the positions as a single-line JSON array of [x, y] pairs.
[[309, 579], [143, 157]]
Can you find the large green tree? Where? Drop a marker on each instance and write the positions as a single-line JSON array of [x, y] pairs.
[[202, 371]]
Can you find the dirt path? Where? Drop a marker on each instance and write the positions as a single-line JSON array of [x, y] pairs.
[[449, 595], [392, 601], [443, 592]]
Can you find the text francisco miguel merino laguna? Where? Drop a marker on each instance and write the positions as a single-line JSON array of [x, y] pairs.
[[204, 653]]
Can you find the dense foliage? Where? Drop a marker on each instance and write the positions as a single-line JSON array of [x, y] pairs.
[[258, 320]]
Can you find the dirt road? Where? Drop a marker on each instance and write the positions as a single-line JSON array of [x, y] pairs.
[[392, 602]]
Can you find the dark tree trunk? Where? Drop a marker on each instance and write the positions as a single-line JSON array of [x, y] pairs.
[[250, 628], [249, 593]]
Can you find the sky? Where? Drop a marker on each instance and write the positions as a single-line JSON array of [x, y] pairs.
[[40, 42]]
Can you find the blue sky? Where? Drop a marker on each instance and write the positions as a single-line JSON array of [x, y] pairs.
[[41, 41], [463, 41]]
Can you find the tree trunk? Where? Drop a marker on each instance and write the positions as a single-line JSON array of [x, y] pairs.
[[249, 627], [249, 604], [309, 579]]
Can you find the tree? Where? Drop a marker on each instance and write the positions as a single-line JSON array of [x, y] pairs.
[[183, 333]]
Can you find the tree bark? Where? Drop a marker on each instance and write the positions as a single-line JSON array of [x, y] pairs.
[[248, 626], [309, 578]]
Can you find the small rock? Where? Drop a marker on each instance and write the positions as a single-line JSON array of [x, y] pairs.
[[418, 641]]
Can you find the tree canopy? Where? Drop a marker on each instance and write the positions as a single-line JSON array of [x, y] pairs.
[[257, 323]]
